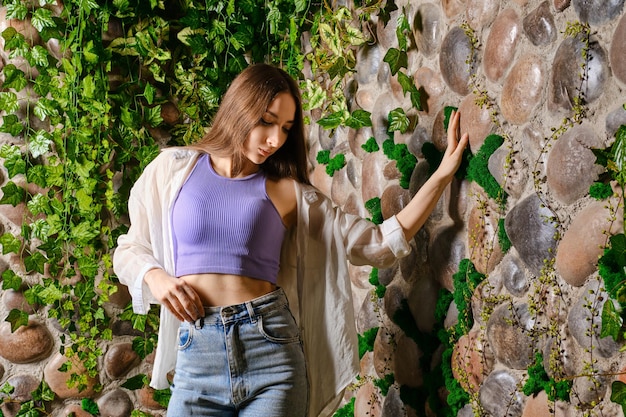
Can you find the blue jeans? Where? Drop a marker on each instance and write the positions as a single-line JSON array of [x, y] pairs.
[[243, 360]]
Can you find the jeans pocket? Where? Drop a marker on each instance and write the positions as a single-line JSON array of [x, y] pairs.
[[185, 336], [279, 326]]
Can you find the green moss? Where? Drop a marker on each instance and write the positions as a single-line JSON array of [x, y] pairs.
[[405, 160], [371, 145], [332, 164], [347, 410], [374, 208], [478, 170], [379, 289], [600, 191], [538, 380], [503, 238], [384, 383], [366, 341], [465, 281], [447, 112]]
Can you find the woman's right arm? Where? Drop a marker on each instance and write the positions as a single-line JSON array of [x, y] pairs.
[[138, 258]]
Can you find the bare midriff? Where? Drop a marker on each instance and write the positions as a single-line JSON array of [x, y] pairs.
[[225, 289]]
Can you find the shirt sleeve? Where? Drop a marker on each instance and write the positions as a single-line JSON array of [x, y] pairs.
[[365, 242], [136, 253]]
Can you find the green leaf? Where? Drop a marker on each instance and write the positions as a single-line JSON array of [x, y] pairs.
[[42, 18], [85, 231], [149, 92], [8, 102], [13, 161], [611, 321], [152, 116], [134, 383], [39, 144], [10, 280], [12, 125], [162, 396], [35, 262], [16, 10], [618, 394], [10, 244], [14, 78], [398, 121], [45, 108], [359, 118], [12, 194], [333, 120], [396, 59], [90, 406], [17, 318]]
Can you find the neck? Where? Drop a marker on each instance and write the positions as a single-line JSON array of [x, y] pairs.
[[224, 167]]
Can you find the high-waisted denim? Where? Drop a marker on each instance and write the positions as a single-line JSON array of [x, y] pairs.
[[242, 360]]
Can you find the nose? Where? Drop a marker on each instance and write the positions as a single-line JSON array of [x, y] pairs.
[[273, 138]]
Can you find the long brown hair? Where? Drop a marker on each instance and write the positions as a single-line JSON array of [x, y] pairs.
[[242, 108]]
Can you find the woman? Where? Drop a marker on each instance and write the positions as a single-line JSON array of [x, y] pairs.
[[249, 261]]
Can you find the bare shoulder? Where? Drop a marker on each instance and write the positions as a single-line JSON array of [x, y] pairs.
[[282, 192]]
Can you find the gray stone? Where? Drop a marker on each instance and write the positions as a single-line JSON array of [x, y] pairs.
[[571, 164], [456, 61], [567, 73], [596, 12], [499, 395], [428, 27], [513, 275], [585, 321], [532, 231], [615, 119]]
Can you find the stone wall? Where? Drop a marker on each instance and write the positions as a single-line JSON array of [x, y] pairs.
[[541, 295]]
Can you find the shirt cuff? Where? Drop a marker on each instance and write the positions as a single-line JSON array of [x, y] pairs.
[[394, 236]]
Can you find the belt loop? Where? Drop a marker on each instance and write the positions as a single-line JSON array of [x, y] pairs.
[[199, 323], [250, 311]]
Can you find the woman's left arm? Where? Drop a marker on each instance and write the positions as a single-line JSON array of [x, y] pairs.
[[413, 216]]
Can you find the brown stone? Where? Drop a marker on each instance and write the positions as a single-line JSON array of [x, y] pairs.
[[469, 361], [501, 44], [368, 401], [539, 25], [75, 410], [617, 51], [394, 199], [431, 88], [523, 89], [480, 13], [482, 229], [145, 396], [476, 121], [406, 362], [27, 344], [15, 300], [583, 242], [58, 380], [119, 359], [115, 403]]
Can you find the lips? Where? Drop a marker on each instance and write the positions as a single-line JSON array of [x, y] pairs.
[[264, 152]]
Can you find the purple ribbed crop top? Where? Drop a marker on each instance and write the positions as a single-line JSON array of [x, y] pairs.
[[226, 225]]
